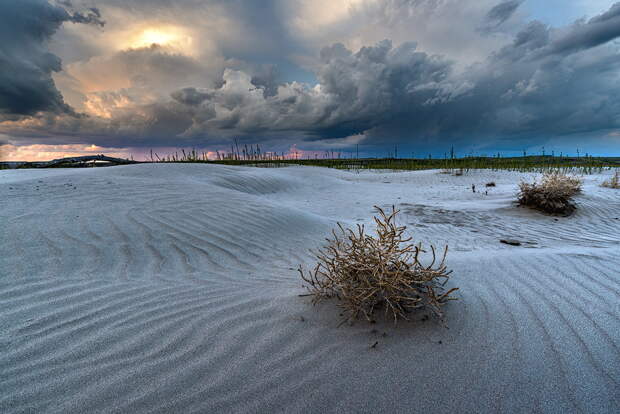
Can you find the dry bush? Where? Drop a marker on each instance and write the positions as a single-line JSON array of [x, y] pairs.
[[367, 273], [553, 194], [613, 182]]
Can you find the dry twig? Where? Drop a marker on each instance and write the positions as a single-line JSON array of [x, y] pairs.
[[613, 182], [553, 195], [366, 273]]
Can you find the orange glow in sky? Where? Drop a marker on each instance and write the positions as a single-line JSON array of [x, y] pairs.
[[173, 37]]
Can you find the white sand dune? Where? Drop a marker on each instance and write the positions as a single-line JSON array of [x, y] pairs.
[[172, 288]]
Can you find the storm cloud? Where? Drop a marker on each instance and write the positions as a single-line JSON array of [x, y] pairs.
[[407, 93], [584, 35], [26, 85], [503, 11], [169, 82]]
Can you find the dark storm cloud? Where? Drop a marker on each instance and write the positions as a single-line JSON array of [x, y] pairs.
[[540, 82], [25, 82], [377, 84], [502, 12], [190, 96], [538, 85], [26, 85], [595, 32], [357, 91], [91, 16]]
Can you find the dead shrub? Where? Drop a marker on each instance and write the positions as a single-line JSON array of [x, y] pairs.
[[613, 182], [367, 273], [552, 195]]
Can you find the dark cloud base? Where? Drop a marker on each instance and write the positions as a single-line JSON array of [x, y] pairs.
[[26, 85]]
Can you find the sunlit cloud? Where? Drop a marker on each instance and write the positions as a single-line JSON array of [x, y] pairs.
[[97, 104], [171, 37], [9, 152], [314, 14]]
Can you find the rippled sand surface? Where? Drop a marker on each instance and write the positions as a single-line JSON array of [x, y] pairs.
[[172, 288]]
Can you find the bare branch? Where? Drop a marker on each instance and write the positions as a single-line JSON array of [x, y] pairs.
[[367, 273]]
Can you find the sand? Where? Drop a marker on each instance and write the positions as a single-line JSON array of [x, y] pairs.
[[172, 288]]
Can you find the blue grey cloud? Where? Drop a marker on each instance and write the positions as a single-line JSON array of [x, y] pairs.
[[530, 86], [502, 12], [584, 35], [543, 82], [26, 85]]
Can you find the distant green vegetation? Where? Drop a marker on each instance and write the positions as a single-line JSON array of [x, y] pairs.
[[530, 163], [535, 163]]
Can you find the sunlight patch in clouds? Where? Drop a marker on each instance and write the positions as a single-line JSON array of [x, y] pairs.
[[172, 37]]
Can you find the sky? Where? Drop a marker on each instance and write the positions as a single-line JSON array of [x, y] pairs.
[[124, 77]]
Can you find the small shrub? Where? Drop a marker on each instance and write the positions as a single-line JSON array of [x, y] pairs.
[[613, 182], [367, 273], [553, 194]]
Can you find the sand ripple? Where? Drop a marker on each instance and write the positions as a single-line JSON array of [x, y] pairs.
[[171, 288]]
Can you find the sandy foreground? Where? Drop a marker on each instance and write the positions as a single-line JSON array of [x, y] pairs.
[[172, 288]]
